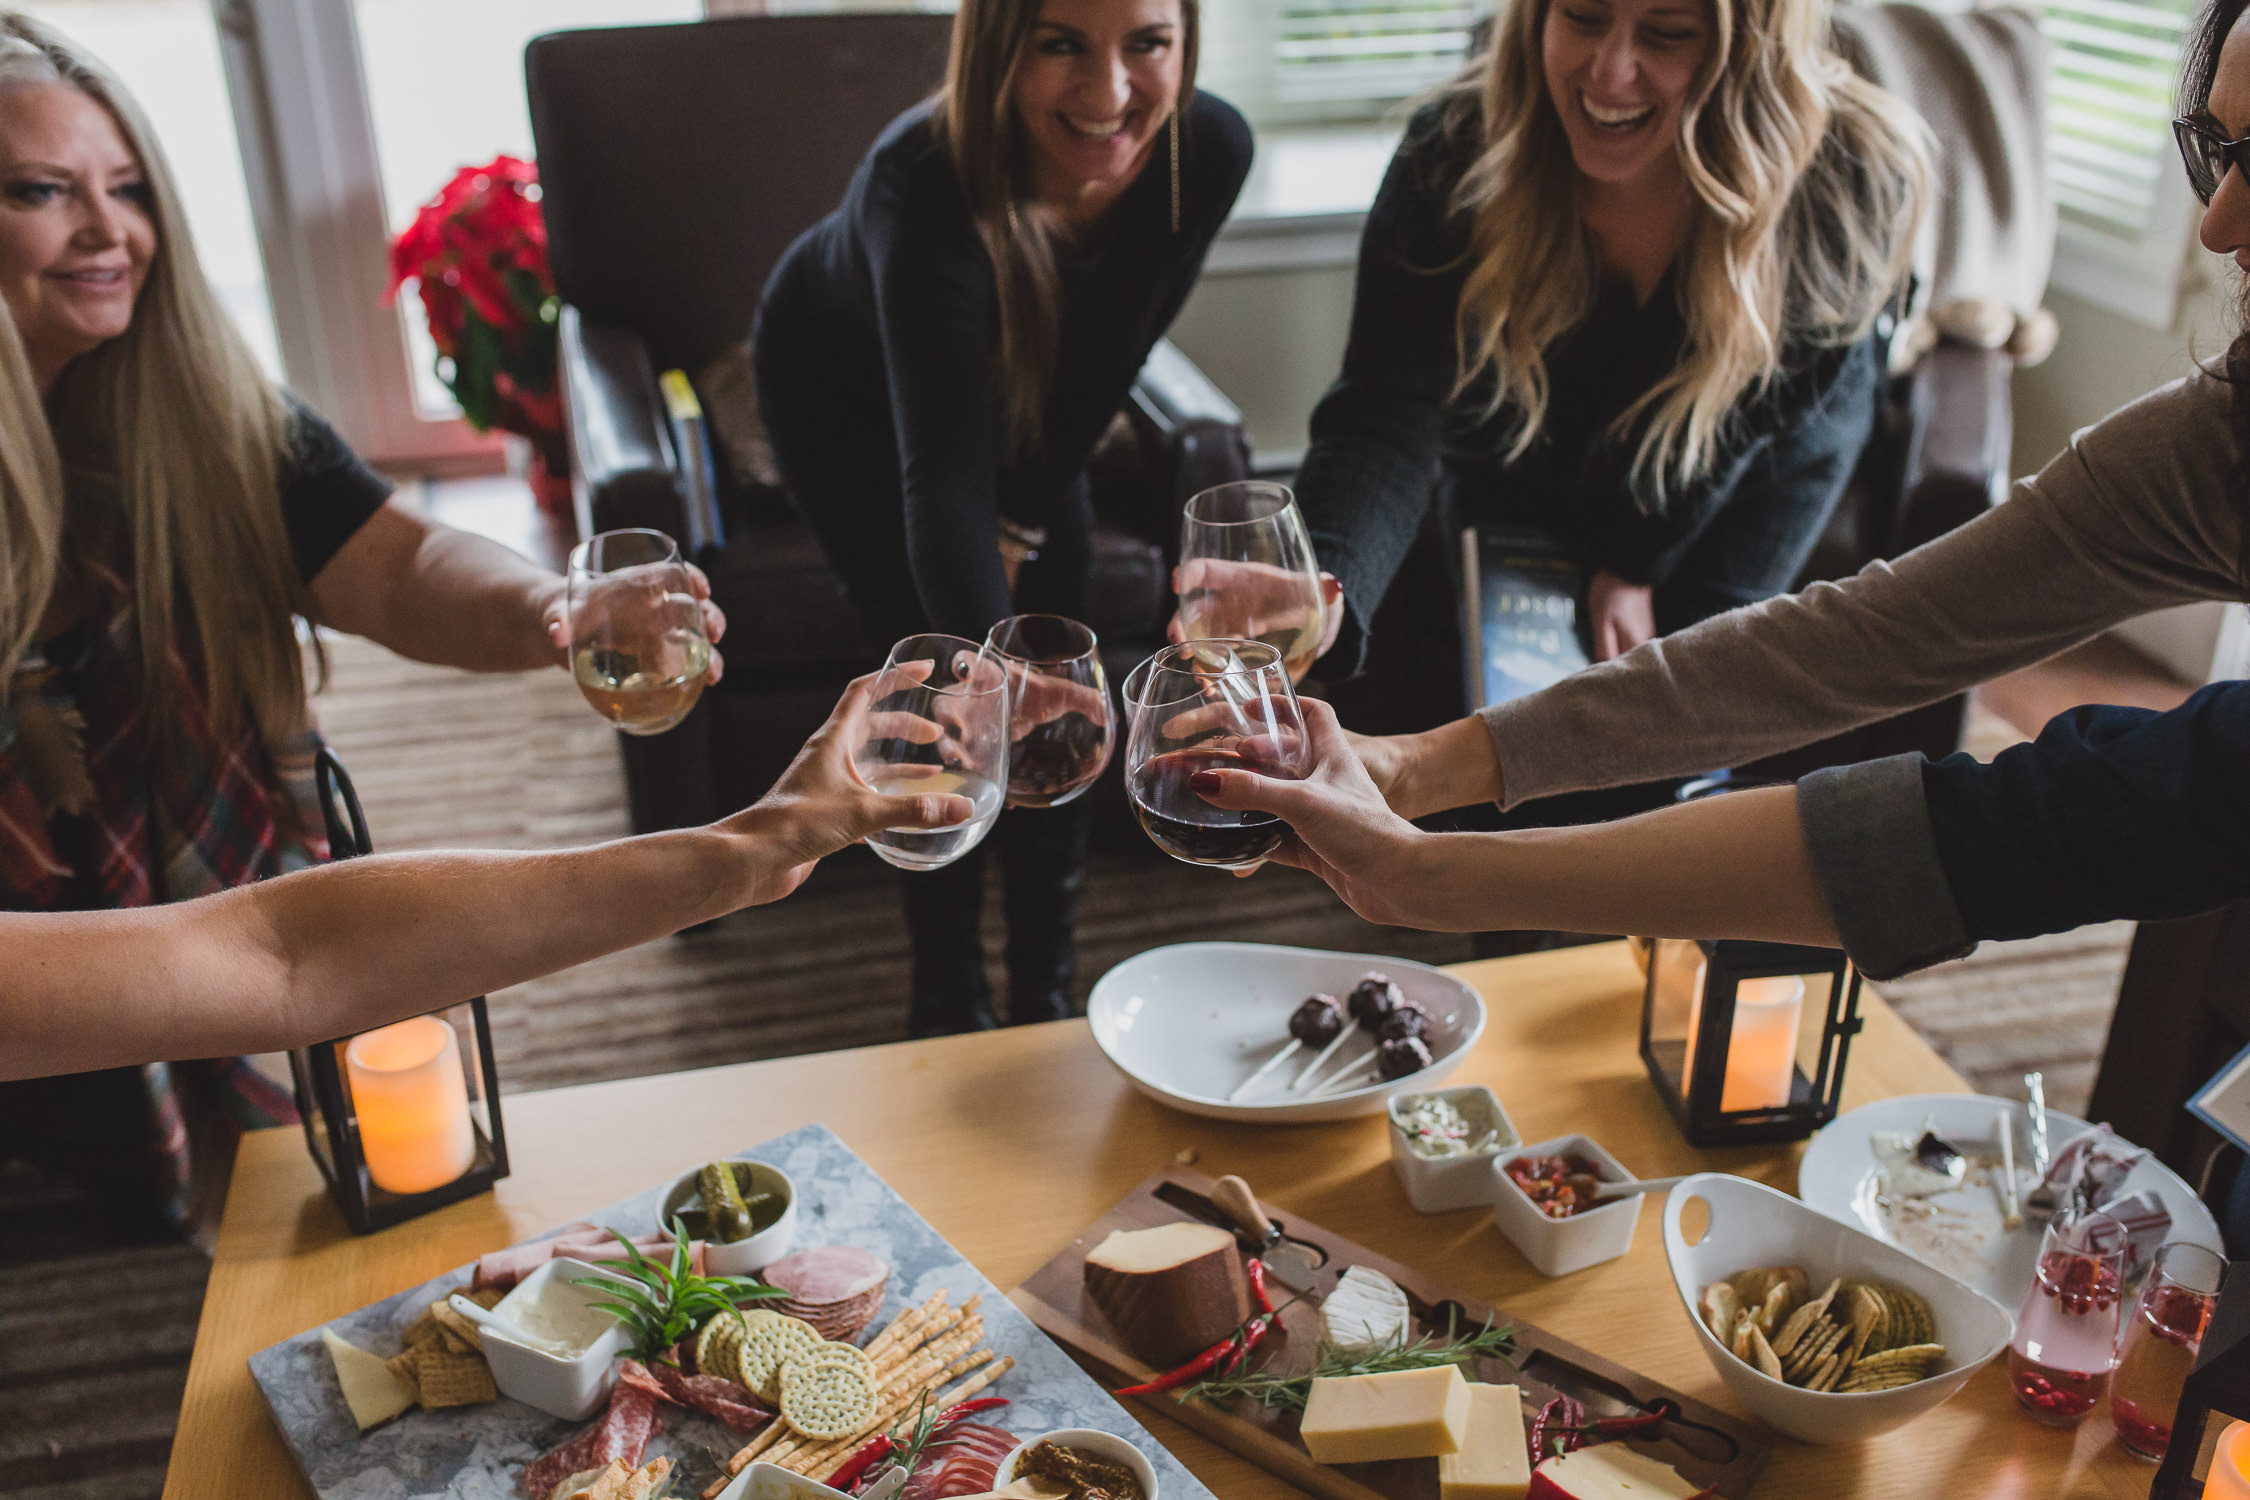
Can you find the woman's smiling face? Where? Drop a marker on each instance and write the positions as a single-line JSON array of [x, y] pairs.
[[1619, 73], [77, 230], [1096, 82]]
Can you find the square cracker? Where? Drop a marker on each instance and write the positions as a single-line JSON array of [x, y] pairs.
[[449, 1379]]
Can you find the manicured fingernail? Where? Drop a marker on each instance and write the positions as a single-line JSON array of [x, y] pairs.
[[1203, 781]]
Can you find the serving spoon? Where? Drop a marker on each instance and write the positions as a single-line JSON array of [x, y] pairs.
[[507, 1330]]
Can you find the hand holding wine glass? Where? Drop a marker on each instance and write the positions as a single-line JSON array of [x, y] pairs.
[[1247, 572], [1062, 727], [635, 628], [938, 725], [1212, 705]]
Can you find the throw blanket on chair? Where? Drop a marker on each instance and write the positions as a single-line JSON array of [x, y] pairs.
[[1979, 80]]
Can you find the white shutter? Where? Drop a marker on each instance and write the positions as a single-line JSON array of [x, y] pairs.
[[2110, 107], [1368, 51]]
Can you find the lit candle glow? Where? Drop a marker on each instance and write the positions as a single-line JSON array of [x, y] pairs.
[[2230, 1464], [412, 1102], [1762, 1048]]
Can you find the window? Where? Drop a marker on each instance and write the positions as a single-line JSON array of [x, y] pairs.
[[1286, 62]]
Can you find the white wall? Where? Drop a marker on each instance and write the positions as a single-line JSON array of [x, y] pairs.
[[1272, 340]]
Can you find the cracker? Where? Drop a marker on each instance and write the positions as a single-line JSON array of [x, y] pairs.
[[648, 1480], [1778, 1305], [402, 1368], [424, 1330], [827, 1402], [461, 1335], [1720, 1306], [1762, 1355], [768, 1340], [716, 1343], [449, 1379], [1800, 1323], [828, 1354]]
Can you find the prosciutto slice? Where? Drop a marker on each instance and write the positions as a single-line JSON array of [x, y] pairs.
[[965, 1461], [581, 1241]]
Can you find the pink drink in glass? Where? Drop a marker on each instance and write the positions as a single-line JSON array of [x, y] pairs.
[[2158, 1346], [2066, 1334]]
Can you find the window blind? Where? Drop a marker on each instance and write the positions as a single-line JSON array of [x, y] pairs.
[[1342, 51], [2113, 63]]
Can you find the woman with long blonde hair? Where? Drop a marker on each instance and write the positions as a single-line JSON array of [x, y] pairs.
[[1618, 289], [166, 516], [937, 358]]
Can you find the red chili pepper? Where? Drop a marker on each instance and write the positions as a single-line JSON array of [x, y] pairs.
[[1252, 1336], [1199, 1365], [1257, 1269], [1559, 1418], [867, 1456], [1660, 1410], [960, 1409]]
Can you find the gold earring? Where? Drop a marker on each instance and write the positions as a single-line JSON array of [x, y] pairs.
[[1175, 169]]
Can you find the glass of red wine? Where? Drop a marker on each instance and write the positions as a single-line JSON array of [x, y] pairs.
[[1061, 726], [1221, 705], [1247, 570]]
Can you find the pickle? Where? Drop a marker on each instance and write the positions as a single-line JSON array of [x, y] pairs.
[[765, 1210], [722, 1200]]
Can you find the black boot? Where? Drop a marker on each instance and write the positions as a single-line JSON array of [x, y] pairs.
[[1043, 863], [943, 911]]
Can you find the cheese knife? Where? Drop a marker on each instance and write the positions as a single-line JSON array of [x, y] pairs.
[[1292, 1261]]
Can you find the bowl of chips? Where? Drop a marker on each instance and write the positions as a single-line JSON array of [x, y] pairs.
[[1827, 1333]]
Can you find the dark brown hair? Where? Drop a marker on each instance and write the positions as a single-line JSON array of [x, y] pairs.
[[2199, 68]]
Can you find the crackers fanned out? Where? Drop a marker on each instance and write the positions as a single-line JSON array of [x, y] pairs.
[[1856, 1336]]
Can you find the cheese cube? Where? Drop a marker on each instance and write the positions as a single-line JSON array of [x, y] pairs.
[[1494, 1463], [1357, 1419]]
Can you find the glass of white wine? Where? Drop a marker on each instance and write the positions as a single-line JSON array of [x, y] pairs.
[[939, 723], [637, 647], [1247, 572]]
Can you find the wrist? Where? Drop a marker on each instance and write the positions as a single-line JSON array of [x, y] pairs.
[[547, 599], [1451, 766]]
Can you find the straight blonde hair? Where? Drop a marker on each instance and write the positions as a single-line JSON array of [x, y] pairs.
[[176, 413], [1810, 184], [975, 120]]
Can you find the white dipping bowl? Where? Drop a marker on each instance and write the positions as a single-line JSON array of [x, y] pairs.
[[1188, 1022], [1753, 1225], [761, 1249], [764, 1481], [1557, 1247], [569, 1388], [1441, 1184], [1087, 1440]]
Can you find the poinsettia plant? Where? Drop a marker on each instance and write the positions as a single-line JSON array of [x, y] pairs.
[[477, 253]]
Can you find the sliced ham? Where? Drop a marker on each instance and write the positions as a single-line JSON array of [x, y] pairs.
[[836, 1288], [582, 1241]]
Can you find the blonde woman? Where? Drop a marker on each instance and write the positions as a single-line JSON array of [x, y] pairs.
[[1618, 288], [937, 357], [167, 515]]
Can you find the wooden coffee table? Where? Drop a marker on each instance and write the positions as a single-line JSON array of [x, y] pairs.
[[1011, 1142]]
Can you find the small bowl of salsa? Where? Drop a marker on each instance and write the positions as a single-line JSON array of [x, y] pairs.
[[1084, 1463], [1542, 1202]]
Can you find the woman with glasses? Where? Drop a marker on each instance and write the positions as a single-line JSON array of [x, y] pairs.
[[2145, 510]]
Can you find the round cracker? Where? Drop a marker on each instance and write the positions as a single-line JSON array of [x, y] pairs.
[[715, 1345], [768, 1341], [828, 1354], [828, 1401]]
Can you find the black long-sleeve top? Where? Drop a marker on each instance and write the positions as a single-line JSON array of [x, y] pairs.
[[1388, 423], [2109, 813], [891, 300]]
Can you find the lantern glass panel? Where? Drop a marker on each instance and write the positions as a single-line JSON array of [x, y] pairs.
[[1677, 967]]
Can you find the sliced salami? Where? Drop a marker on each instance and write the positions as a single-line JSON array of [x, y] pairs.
[[621, 1431], [728, 1400]]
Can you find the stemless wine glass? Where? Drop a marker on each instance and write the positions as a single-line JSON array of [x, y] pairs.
[[1212, 705], [939, 724], [1134, 687], [1060, 719], [2066, 1334], [2159, 1343], [1247, 572], [637, 647]]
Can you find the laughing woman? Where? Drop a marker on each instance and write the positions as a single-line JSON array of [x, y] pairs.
[[1618, 287], [937, 358]]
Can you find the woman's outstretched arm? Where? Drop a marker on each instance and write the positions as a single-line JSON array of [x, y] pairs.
[[361, 943]]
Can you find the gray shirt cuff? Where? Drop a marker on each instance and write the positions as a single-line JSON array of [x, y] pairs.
[[1867, 828]]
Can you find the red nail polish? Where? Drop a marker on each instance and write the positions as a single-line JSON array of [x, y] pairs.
[[1203, 781]]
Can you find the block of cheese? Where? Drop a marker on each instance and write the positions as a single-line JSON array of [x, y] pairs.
[[1358, 1419], [1171, 1292], [370, 1390], [1610, 1471], [1365, 1312], [1494, 1462]]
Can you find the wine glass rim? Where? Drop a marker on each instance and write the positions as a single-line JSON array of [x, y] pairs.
[[1236, 646], [1263, 488], [957, 689], [1093, 643], [2186, 1250], [580, 554]]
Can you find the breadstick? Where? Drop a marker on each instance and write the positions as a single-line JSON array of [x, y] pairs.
[[748, 1453], [912, 1378], [905, 1323]]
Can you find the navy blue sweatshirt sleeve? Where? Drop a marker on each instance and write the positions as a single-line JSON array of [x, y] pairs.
[[2111, 813]]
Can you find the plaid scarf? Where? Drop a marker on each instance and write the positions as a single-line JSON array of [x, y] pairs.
[[151, 817]]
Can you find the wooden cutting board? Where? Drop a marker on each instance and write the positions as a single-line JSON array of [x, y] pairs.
[[1706, 1445]]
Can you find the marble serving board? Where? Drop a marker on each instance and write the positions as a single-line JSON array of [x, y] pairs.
[[477, 1452]]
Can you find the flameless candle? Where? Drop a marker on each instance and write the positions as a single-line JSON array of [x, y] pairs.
[[412, 1103], [2230, 1464], [1762, 1048]]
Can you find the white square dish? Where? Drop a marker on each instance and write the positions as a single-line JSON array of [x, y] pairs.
[[560, 1387], [1441, 1184], [1557, 1247]]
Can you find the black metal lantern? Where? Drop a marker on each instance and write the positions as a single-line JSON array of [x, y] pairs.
[[1747, 1041], [404, 1118]]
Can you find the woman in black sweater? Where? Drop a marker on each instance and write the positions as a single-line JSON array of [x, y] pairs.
[[1617, 288], [937, 358]]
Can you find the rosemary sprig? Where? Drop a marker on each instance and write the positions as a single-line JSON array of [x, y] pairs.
[[662, 1304], [1289, 1391]]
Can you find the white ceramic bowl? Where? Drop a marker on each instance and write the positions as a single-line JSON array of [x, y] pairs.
[[761, 1249], [764, 1481], [1753, 1225], [1188, 1022], [1087, 1440], [1557, 1247], [569, 1388], [1441, 1184]]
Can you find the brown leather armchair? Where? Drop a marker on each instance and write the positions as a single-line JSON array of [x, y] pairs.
[[677, 163]]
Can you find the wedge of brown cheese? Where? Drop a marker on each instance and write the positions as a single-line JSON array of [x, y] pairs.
[[1170, 1292]]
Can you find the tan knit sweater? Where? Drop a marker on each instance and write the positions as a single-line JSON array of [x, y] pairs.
[[2133, 517]]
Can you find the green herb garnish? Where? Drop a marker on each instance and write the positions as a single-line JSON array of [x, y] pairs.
[[669, 1302], [1289, 1392]]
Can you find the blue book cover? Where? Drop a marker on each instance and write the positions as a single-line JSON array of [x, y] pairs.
[[1523, 625]]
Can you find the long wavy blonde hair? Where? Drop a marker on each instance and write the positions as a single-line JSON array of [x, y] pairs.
[[976, 121], [1810, 183], [177, 416]]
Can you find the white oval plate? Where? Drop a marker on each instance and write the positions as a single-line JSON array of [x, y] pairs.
[[1964, 1238], [1187, 1023]]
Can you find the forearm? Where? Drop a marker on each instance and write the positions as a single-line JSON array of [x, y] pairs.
[[466, 601], [1725, 867]]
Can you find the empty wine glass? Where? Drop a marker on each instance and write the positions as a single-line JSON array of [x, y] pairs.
[[1247, 572], [1212, 705], [637, 648], [939, 723], [1061, 723]]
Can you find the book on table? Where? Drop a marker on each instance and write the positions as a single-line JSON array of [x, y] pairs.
[[1523, 621]]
